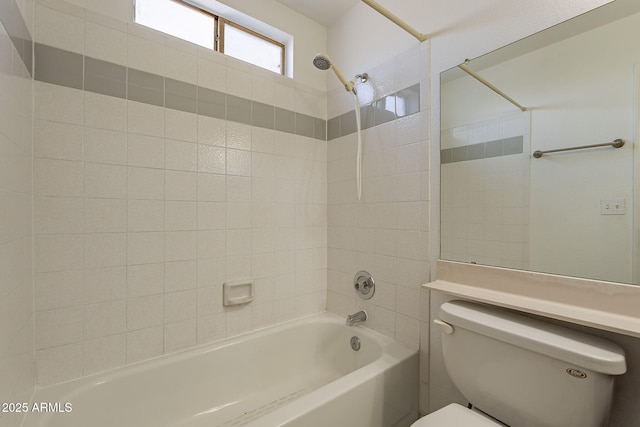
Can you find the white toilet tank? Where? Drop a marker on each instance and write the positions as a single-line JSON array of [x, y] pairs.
[[526, 372]]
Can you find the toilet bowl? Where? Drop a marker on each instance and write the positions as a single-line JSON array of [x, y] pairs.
[[512, 367]]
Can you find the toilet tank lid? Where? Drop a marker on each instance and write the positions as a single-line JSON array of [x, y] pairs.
[[583, 350]]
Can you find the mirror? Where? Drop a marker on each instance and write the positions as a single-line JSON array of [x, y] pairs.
[[568, 212]]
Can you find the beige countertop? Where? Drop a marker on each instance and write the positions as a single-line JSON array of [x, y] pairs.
[[609, 306]]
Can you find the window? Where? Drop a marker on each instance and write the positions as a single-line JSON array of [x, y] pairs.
[[179, 19], [249, 46]]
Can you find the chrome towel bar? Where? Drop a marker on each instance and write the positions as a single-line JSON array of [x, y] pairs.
[[615, 144]]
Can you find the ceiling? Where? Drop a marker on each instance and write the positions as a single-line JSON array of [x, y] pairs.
[[326, 12]]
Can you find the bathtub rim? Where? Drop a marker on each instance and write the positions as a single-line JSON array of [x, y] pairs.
[[390, 348]]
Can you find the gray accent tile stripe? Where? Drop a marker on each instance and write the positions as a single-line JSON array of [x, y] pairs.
[[58, 66], [483, 150], [105, 78], [181, 96], [403, 103], [212, 103], [145, 87], [14, 24], [65, 68], [263, 115], [285, 120], [320, 129], [304, 125], [333, 128], [348, 123], [238, 109]]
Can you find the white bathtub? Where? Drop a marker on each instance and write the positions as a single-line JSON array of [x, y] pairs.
[[302, 373]]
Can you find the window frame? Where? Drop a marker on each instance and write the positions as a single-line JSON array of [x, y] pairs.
[[218, 33], [222, 22]]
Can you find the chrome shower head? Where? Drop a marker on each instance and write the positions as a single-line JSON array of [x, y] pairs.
[[321, 62]]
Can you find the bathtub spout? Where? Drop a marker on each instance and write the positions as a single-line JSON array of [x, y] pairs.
[[358, 317]]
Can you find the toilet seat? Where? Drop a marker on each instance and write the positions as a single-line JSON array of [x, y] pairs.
[[455, 415]]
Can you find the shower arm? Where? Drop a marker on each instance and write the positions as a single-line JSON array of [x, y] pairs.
[[347, 85], [393, 18]]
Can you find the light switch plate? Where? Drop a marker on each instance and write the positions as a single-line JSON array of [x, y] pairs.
[[612, 207]]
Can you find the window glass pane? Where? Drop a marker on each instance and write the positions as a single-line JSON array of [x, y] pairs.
[[176, 19], [250, 48]]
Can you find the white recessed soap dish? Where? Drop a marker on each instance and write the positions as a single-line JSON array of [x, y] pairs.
[[236, 293]]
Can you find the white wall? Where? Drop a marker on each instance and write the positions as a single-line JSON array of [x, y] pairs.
[[310, 37]]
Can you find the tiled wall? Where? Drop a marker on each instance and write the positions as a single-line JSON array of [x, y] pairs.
[[163, 170], [485, 191], [16, 278], [387, 231]]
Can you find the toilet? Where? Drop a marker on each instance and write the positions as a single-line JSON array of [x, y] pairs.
[[523, 372]]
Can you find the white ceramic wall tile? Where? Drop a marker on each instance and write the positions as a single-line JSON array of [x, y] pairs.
[[105, 181], [212, 74], [144, 212], [145, 215], [58, 327], [212, 216], [211, 159], [59, 364], [104, 284], [58, 215], [181, 65], [58, 290], [102, 42], [105, 215], [145, 343], [103, 319], [181, 125], [105, 112], [104, 353], [145, 119], [54, 140], [145, 248], [18, 281], [58, 252], [239, 82], [181, 185], [105, 146], [180, 245], [147, 279], [180, 335], [145, 184], [180, 276], [381, 233], [145, 55], [145, 151], [181, 155], [59, 29], [59, 178], [145, 312]]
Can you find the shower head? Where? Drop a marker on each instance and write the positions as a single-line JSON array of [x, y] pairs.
[[322, 62]]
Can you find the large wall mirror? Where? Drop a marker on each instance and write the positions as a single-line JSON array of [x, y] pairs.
[[571, 212]]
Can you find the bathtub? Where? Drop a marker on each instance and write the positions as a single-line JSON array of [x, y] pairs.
[[302, 373]]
